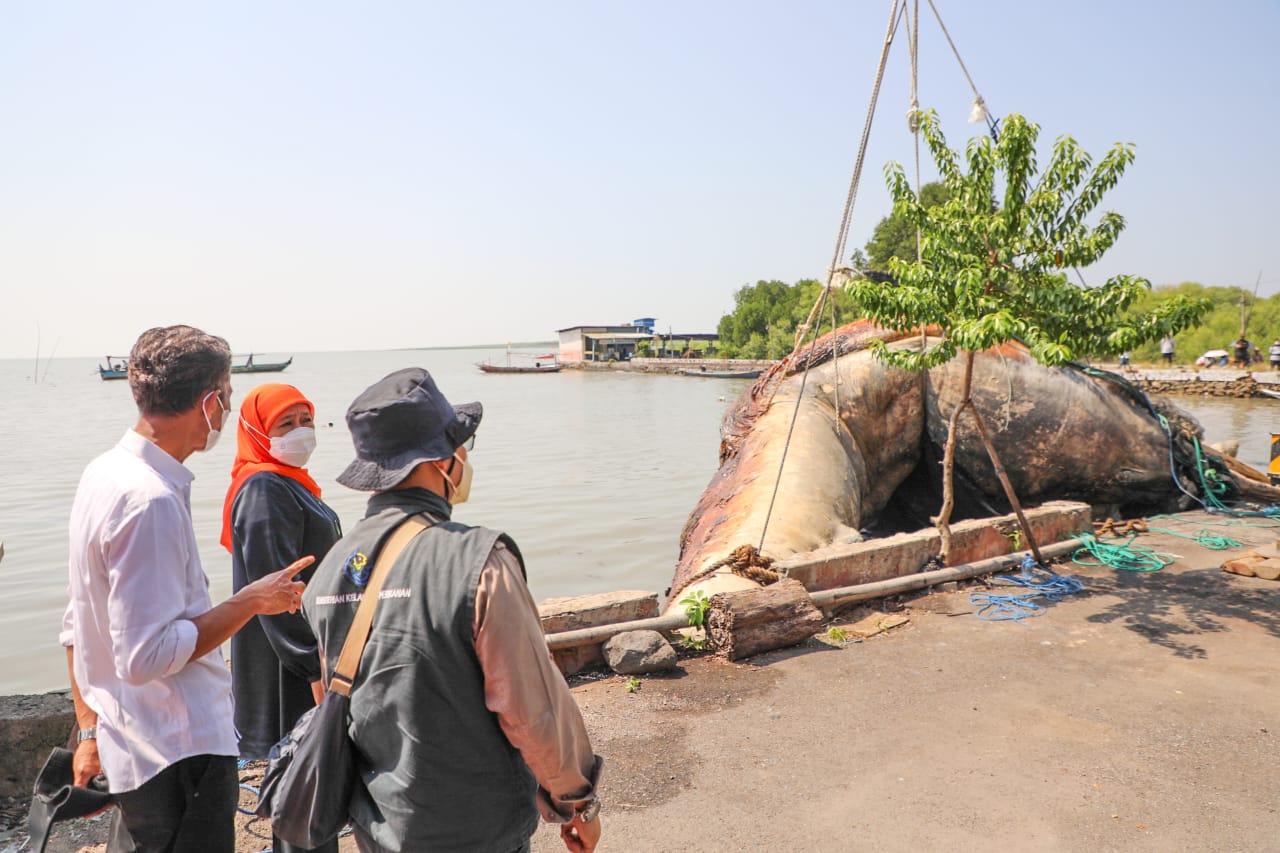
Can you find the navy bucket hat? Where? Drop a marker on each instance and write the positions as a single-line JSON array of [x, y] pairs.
[[399, 422]]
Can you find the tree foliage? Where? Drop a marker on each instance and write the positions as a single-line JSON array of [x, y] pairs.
[[895, 237], [994, 273], [1220, 326], [765, 315]]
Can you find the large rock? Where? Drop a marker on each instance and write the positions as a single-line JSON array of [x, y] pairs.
[[31, 726], [590, 611], [638, 652]]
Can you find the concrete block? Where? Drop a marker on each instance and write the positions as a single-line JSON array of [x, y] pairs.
[[31, 726], [588, 611], [905, 553]]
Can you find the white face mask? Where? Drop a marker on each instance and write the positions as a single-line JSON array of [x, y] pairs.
[[214, 434], [294, 447]]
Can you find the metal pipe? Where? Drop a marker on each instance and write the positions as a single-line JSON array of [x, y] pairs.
[[600, 633], [832, 598], [827, 598]]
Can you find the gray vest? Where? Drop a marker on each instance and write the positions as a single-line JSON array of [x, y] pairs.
[[440, 772]]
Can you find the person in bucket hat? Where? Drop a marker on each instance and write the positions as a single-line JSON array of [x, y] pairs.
[[400, 422], [465, 730]]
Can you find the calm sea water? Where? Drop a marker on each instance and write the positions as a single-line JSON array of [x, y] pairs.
[[593, 473]]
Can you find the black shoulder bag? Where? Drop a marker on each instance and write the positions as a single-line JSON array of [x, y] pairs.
[[311, 775]]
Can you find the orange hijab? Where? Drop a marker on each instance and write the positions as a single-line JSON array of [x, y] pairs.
[[261, 408]]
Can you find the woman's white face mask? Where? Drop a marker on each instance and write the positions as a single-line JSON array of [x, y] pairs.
[[294, 447]]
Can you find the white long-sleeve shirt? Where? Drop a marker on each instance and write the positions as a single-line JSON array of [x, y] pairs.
[[135, 583]]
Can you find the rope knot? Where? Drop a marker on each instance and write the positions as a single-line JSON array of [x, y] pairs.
[[745, 561]]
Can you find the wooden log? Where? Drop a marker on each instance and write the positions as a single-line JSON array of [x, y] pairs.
[[1241, 469], [1243, 565], [1268, 569], [750, 621]]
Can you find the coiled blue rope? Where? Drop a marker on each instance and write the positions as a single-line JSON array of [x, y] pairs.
[[1042, 583]]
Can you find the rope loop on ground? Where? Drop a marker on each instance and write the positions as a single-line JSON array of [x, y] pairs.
[[1042, 582], [1204, 539], [1125, 557]]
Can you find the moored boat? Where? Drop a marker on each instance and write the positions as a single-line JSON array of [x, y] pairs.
[[499, 368], [548, 363], [721, 374], [251, 366], [117, 367]]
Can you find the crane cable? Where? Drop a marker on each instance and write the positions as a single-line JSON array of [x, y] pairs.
[[842, 237], [897, 12]]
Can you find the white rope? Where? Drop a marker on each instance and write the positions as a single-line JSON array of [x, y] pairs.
[[842, 235], [841, 239], [979, 111], [913, 115]]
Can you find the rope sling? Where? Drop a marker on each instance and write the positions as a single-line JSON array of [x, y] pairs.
[[898, 13]]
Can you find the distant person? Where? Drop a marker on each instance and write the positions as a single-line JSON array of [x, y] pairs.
[[1124, 359], [1275, 354], [464, 728], [273, 513], [151, 690], [1166, 350], [1241, 349]]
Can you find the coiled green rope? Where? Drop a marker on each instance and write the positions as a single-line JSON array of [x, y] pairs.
[[1125, 556], [1204, 539]]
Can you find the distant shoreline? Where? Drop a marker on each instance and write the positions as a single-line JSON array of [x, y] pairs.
[[513, 345]]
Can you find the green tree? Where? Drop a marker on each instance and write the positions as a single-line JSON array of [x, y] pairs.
[[994, 273], [766, 314], [1220, 326], [895, 237]]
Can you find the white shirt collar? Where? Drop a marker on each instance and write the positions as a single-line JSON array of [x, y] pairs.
[[164, 464]]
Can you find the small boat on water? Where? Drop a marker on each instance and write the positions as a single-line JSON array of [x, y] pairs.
[[539, 368], [251, 366], [721, 374], [117, 367], [548, 363]]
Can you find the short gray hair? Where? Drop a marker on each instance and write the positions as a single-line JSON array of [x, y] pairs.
[[172, 367]]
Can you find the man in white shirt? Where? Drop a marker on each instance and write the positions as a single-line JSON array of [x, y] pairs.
[[152, 692]]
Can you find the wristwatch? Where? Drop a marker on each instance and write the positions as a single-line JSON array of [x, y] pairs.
[[589, 811], [87, 734]]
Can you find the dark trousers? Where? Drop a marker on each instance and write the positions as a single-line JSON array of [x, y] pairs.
[[279, 845], [189, 807], [367, 845]]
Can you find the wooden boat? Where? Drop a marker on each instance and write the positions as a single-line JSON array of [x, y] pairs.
[[552, 364], [721, 374], [118, 366], [499, 368], [250, 366]]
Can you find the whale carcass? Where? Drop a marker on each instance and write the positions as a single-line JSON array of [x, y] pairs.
[[864, 442]]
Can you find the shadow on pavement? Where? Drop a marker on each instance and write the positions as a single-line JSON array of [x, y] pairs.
[[1172, 609]]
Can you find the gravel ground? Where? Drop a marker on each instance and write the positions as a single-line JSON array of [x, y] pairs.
[[1138, 715]]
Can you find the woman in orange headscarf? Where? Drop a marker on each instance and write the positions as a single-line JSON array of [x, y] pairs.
[[273, 508]]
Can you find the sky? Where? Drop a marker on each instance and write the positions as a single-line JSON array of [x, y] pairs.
[[334, 176]]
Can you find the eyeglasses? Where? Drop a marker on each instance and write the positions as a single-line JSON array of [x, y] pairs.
[[469, 443]]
